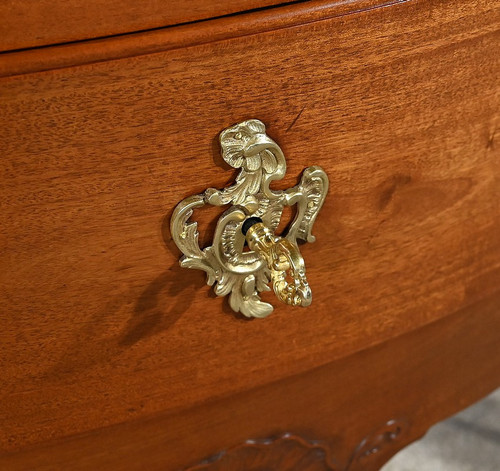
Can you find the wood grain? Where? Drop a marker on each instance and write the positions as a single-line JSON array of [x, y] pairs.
[[163, 39], [34, 23], [418, 379], [100, 326]]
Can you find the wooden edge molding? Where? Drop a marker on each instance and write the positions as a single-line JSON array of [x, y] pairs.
[[35, 23], [289, 451], [175, 37]]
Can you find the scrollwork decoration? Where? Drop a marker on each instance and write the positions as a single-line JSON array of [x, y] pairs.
[[230, 269]]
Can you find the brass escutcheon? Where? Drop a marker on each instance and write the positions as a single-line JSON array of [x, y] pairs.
[[252, 220]]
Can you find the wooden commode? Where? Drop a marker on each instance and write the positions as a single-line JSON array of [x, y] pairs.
[[114, 357]]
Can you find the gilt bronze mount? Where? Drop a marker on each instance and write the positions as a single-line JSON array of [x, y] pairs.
[[252, 219]]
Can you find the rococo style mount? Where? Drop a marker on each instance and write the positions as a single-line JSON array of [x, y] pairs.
[[246, 254]]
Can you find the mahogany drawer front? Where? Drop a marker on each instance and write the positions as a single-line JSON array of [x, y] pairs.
[[101, 326], [35, 23]]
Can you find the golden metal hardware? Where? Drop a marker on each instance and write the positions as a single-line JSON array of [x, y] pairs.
[[288, 273], [256, 211]]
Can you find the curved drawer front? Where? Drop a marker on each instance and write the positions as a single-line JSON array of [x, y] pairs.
[[27, 24], [101, 325]]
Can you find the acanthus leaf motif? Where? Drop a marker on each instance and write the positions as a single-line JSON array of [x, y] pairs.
[[230, 267]]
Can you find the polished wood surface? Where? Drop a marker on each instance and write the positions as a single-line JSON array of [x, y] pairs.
[[103, 334], [35, 23], [413, 381], [164, 39]]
